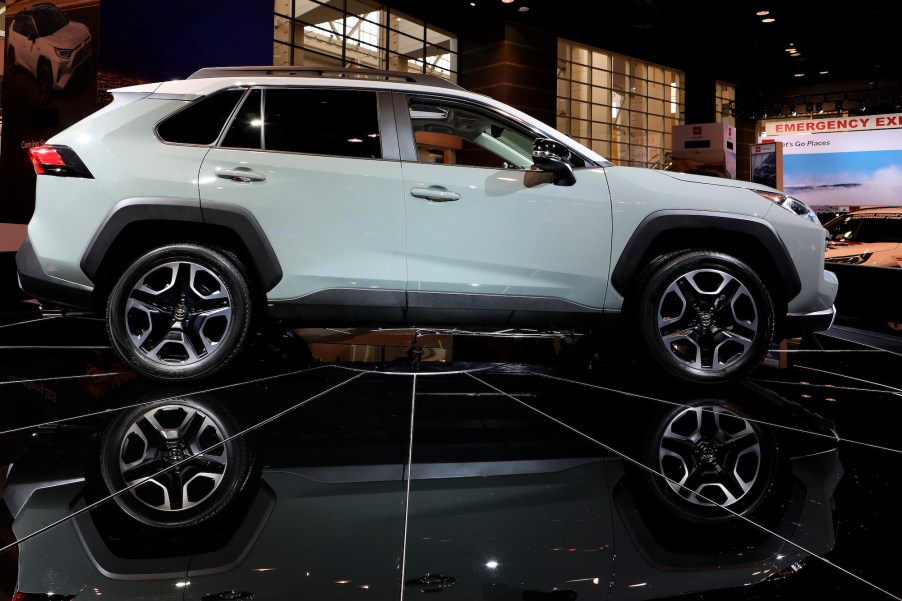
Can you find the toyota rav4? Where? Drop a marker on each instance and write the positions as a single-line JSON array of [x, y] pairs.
[[185, 210]]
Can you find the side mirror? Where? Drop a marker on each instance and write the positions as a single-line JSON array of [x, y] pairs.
[[552, 156]]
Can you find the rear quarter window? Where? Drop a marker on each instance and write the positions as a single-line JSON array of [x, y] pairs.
[[201, 121]]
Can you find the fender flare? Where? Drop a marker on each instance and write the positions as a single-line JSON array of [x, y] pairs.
[[235, 218], [629, 264]]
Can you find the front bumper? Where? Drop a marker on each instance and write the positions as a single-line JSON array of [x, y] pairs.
[[797, 324], [36, 282]]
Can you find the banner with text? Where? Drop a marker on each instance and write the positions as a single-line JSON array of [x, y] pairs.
[[847, 168]]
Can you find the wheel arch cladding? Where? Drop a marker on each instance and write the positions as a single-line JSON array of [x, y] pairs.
[[238, 221], [669, 230]]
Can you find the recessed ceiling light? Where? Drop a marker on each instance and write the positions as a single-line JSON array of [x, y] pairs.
[[823, 72], [507, 1], [800, 75], [768, 20], [791, 50], [761, 13], [795, 54], [523, 9]]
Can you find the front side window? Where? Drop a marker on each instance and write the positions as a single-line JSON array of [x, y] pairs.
[[310, 121], [454, 135]]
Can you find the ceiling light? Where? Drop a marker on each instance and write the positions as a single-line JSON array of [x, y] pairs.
[[507, 1], [820, 108], [761, 13], [823, 72], [794, 54], [768, 20], [792, 110], [791, 50], [523, 9], [799, 75]]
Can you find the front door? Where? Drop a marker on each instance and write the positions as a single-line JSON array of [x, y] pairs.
[[487, 227]]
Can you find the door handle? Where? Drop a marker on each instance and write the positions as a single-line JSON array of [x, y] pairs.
[[241, 175], [434, 194], [431, 583]]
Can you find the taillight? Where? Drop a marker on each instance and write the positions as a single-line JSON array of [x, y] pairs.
[[57, 160]]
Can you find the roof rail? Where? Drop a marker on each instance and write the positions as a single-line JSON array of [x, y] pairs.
[[337, 73]]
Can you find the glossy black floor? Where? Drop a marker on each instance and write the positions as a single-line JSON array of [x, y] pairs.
[[510, 472]]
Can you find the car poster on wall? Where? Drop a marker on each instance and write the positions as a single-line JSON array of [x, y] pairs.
[[843, 166], [49, 84]]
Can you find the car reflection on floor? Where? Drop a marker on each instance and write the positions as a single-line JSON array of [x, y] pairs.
[[529, 480]]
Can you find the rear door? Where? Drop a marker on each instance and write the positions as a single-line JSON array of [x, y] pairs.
[[312, 166]]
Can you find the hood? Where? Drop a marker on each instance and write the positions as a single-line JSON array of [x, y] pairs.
[[718, 181], [72, 35], [882, 254]]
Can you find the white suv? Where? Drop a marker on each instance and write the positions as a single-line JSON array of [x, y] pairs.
[[186, 209], [44, 42]]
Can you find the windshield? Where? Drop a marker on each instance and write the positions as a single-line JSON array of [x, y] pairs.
[[49, 21], [876, 227]]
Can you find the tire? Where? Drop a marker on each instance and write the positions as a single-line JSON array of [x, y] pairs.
[[714, 456], [704, 316], [180, 312], [150, 437]]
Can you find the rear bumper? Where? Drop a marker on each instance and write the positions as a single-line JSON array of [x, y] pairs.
[[36, 282]]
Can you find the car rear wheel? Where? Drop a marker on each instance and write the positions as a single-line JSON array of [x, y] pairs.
[[180, 312], [705, 316], [151, 437]]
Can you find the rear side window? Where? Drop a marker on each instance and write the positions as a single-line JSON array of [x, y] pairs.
[[328, 122], [202, 121]]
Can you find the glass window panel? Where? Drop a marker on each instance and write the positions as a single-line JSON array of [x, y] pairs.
[[639, 70], [281, 54], [655, 123], [602, 147], [579, 91], [656, 90], [579, 55], [655, 107], [563, 125], [563, 107], [621, 65], [638, 86], [601, 95], [579, 109], [601, 78], [328, 122], [601, 131], [402, 43], [602, 113], [563, 87], [638, 103], [247, 126], [580, 128], [281, 29], [601, 61], [579, 73], [638, 120], [314, 13], [309, 58]]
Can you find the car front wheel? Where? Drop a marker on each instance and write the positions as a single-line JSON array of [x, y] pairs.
[[705, 316], [180, 312]]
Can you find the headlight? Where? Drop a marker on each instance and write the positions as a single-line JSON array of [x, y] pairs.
[[789, 203], [64, 52], [850, 259]]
